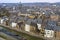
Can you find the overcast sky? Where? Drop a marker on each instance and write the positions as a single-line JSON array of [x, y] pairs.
[[27, 1]]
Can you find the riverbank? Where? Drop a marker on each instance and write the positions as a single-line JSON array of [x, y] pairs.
[[23, 34]]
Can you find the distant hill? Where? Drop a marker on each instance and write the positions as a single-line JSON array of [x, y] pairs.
[[31, 4], [42, 4]]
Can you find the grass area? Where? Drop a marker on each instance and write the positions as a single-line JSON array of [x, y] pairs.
[[29, 37]]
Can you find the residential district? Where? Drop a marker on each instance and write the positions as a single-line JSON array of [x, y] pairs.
[[41, 19]]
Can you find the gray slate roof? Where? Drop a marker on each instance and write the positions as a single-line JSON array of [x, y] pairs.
[[51, 25]]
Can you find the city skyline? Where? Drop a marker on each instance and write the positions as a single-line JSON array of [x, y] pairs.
[[28, 1]]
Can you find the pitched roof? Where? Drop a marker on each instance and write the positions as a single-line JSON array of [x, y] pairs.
[[51, 25]]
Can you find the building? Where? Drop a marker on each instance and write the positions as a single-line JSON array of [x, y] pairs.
[[1, 21], [13, 24], [54, 17], [57, 31], [39, 24], [21, 25], [31, 26], [49, 33], [27, 27], [52, 28]]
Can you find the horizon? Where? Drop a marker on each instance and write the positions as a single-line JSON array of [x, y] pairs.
[[28, 1], [37, 2]]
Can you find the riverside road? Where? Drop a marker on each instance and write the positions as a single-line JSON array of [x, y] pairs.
[[9, 34]]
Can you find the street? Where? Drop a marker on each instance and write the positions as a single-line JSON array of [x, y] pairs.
[[8, 34], [2, 38]]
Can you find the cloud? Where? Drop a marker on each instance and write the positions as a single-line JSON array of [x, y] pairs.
[[24, 1], [9, 1]]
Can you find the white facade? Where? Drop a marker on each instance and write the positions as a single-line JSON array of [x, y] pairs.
[[27, 27], [2, 21], [49, 33], [6, 18], [43, 12], [39, 26], [14, 24]]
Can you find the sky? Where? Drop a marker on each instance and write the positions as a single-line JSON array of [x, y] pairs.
[[28, 1]]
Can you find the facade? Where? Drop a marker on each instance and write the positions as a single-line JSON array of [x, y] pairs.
[[21, 25], [39, 26], [27, 27], [13, 24], [57, 34], [49, 33], [54, 17], [30, 28], [1, 21]]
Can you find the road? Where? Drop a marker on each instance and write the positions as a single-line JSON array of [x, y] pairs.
[[26, 35], [2, 38], [8, 34]]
